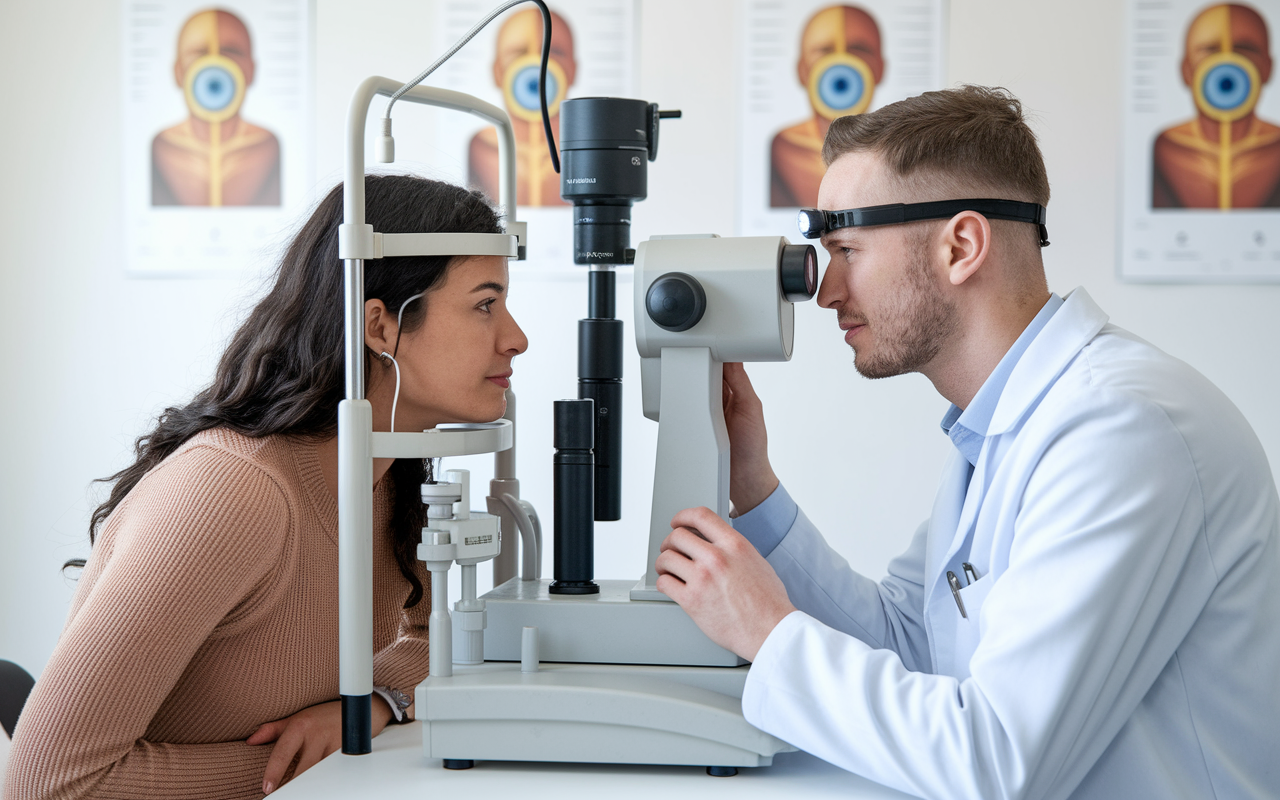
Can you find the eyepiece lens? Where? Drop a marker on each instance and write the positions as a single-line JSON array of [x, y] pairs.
[[798, 272]]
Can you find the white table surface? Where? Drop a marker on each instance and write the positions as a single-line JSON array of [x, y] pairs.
[[397, 769]]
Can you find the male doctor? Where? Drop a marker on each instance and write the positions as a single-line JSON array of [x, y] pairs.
[[1093, 608]]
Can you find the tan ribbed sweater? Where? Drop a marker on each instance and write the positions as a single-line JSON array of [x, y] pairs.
[[208, 607]]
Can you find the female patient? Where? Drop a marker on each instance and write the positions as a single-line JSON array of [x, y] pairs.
[[200, 658]]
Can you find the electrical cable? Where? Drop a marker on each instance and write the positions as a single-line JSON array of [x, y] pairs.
[[471, 34], [395, 398]]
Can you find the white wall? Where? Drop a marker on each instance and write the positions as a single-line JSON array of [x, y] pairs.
[[89, 357]]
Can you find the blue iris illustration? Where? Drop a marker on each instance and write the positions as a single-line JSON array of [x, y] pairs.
[[525, 88], [214, 88], [1226, 86], [840, 87]]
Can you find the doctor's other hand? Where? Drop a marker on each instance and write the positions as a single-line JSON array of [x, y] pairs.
[[751, 478], [721, 581], [307, 736]]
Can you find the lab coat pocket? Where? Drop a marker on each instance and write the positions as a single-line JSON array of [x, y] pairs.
[[969, 630]]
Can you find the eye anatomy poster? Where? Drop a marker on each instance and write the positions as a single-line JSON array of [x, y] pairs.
[[217, 149], [803, 64], [592, 55], [1201, 170]]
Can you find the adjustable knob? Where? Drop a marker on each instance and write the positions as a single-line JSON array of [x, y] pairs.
[[675, 302]]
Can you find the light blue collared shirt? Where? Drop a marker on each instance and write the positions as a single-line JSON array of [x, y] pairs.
[[766, 524], [967, 427]]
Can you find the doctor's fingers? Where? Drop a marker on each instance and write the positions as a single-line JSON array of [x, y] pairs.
[[685, 580], [706, 523], [706, 562], [737, 382], [674, 588], [674, 564], [688, 543]]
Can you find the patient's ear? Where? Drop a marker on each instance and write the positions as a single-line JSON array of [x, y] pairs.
[[380, 327]]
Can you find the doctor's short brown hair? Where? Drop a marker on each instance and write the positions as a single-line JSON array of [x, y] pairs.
[[972, 139]]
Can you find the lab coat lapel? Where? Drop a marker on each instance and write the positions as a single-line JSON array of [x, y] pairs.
[[948, 506], [960, 498], [1071, 328], [972, 501]]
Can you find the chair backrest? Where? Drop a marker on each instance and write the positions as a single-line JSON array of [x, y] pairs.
[[15, 685]]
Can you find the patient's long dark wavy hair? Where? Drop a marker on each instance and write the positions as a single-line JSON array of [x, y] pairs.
[[283, 371]]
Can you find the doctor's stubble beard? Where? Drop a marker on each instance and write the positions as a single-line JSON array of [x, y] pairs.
[[911, 326]]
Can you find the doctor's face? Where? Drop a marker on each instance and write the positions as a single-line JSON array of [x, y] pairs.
[[881, 281]]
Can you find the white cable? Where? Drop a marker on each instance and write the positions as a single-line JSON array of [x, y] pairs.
[[400, 313], [471, 34], [396, 397], [399, 319]]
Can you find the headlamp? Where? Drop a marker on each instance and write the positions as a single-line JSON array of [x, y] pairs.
[[814, 222]]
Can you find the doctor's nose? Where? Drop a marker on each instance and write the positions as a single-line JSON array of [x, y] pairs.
[[831, 291]]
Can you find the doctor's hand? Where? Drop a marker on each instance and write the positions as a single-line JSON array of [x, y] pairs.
[[721, 581], [751, 478], [307, 737]]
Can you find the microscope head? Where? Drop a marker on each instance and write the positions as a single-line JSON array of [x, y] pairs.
[[733, 296]]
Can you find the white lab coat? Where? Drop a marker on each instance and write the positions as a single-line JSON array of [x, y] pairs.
[[1123, 639]]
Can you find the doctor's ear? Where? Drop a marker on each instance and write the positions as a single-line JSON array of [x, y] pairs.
[[379, 327], [966, 239]]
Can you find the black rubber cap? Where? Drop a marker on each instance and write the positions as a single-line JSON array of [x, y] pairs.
[[675, 302], [357, 724]]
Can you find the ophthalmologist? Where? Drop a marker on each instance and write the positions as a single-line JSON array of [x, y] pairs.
[[1093, 608]]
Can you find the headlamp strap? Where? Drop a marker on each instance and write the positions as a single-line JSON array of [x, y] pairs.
[[895, 213]]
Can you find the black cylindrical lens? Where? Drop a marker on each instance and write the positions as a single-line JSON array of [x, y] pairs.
[[600, 348], [605, 147], [573, 492], [607, 396], [604, 123], [601, 233], [619, 176]]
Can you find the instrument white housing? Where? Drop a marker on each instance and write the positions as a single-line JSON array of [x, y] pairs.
[[746, 318]]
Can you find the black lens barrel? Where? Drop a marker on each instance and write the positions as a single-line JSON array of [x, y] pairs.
[[600, 347], [604, 158], [573, 480]]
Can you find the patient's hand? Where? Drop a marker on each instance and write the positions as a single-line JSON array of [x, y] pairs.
[[308, 736]]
